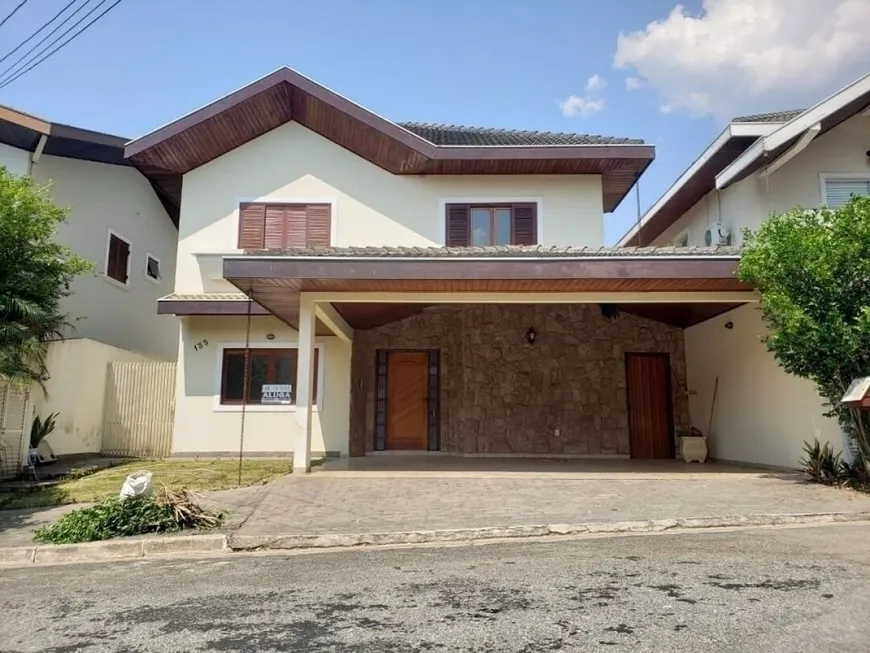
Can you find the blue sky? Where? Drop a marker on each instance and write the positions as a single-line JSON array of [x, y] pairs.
[[506, 63]]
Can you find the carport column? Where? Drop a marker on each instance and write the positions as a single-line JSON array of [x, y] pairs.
[[304, 386]]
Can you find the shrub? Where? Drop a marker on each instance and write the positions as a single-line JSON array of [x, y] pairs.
[[169, 511], [821, 464]]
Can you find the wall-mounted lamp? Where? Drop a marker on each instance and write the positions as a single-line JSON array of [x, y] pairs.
[[270, 336], [729, 324], [531, 334]]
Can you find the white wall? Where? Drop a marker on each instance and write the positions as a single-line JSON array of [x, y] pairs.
[[762, 415], [102, 197], [841, 150], [371, 205], [797, 183], [15, 160], [77, 390], [203, 427]]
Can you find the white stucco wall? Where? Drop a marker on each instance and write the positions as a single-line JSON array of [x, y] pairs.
[[843, 150], [102, 197], [371, 206], [77, 390], [202, 426], [15, 160], [762, 415]]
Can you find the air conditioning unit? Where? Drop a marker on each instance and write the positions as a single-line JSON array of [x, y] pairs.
[[717, 234]]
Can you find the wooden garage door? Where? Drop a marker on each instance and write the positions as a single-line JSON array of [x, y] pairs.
[[648, 378]]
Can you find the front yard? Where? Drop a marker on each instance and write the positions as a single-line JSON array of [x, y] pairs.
[[194, 475]]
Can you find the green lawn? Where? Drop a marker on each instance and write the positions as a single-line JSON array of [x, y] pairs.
[[190, 474]]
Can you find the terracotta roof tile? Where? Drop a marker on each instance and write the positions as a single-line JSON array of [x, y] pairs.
[[776, 116], [538, 251], [483, 136]]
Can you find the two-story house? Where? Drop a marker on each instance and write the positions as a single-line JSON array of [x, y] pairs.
[[115, 219], [350, 285], [758, 165], [119, 221]]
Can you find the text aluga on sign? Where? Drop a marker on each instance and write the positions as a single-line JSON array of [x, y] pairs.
[[276, 393]]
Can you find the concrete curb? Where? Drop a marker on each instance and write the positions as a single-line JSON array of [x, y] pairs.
[[345, 540], [112, 550], [206, 544]]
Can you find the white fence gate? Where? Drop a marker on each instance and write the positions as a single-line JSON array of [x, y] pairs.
[[139, 409], [13, 420]]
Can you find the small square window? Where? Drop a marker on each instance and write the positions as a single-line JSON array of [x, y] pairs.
[[152, 267], [118, 259]]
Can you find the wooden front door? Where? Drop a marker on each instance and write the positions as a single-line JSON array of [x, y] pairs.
[[650, 417], [407, 399]]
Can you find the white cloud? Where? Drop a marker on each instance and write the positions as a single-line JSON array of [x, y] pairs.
[[595, 83], [742, 56], [580, 106], [633, 83]]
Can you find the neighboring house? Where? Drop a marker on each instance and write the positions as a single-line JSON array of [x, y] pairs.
[[417, 287], [116, 219], [758, 165]]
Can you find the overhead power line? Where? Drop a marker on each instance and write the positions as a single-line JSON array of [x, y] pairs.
[[41, 59], [44, 25], [45, 38], [12, 13]]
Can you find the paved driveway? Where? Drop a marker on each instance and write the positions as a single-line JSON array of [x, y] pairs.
[[357, 502]]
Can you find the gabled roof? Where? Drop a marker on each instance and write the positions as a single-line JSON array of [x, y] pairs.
[[167, 153], [37, 135], [24, 131], [697, 180], [742, 148], [789, 139]]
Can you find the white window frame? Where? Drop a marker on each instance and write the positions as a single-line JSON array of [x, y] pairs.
[[333, 213], [444, 201], [159, 279], [112, 280], [262, 408], [825, 177]]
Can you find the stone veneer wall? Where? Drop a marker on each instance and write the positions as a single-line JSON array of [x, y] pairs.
[[499, 394]]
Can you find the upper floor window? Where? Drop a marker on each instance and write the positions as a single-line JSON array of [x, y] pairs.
[[152, 267], [279, 226], [491, 224], [118, 258], [839, 191]]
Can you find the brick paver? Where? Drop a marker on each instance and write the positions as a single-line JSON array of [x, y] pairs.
[[352, 504]]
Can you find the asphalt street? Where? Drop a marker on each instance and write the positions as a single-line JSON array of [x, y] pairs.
[[771, 590]]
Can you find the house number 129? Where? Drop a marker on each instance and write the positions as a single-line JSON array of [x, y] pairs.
[[202, 343]]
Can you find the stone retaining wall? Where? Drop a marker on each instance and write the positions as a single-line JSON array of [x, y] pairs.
[[499, 394]]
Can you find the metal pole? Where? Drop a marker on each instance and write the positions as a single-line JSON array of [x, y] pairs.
[[637, 196], [245, 391]]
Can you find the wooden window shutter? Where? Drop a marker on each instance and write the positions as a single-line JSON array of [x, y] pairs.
[[458, 225], [319, 219], [525, 224], [252, 226], [296, 217], [275, 226]]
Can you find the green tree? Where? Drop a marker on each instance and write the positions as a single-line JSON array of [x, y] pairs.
[[35, 274], [812, 270]]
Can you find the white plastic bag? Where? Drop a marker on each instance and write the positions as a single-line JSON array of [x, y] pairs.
[[136, 485]]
